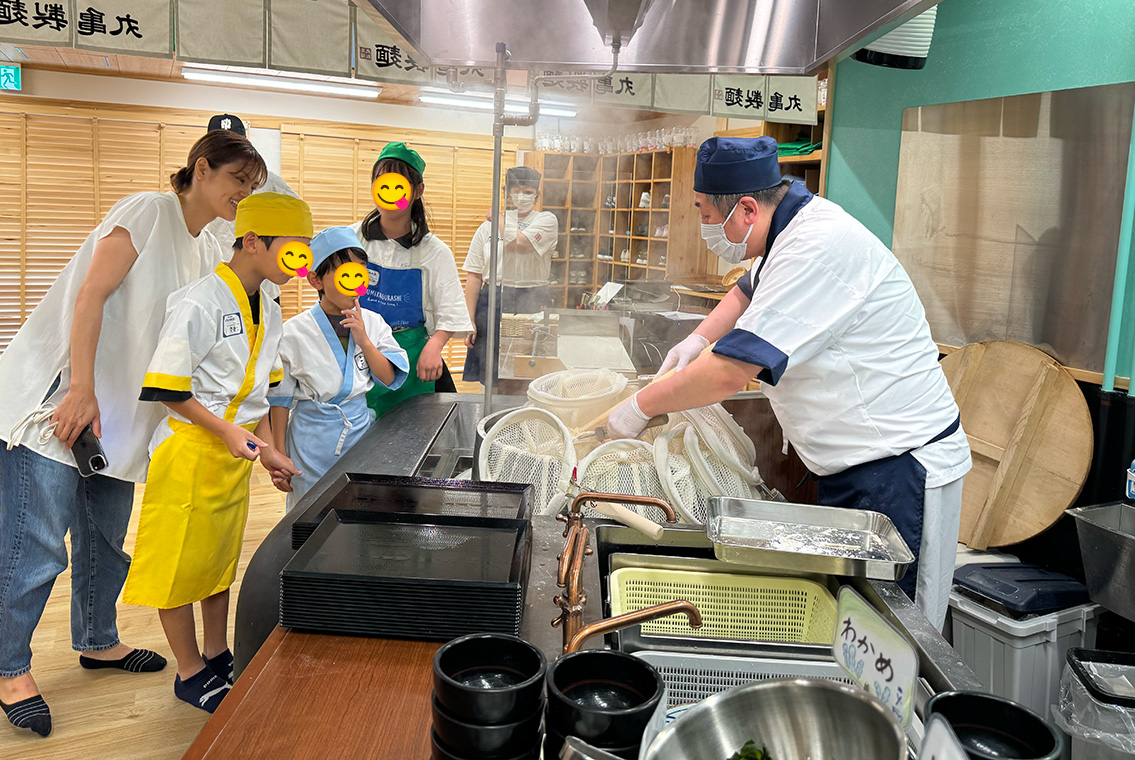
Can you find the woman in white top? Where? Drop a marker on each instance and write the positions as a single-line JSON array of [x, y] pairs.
[[78, 362], [414, 283]]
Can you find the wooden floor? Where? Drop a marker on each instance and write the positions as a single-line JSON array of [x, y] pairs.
[[101, 714]]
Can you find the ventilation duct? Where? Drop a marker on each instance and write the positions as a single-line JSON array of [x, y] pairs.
[[903, 48]]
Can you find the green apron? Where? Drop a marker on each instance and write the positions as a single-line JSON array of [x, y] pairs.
[[381, 399]]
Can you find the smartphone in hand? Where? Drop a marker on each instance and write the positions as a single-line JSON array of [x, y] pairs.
[[88, 453]]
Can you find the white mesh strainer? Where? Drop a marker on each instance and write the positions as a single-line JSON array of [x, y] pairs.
[[577, 396], [685, 492], [625, 467], [530, 445]]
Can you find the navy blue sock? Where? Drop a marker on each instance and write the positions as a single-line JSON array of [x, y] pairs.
[[222, 664], [31, 713], [204, 690], [138, 661]]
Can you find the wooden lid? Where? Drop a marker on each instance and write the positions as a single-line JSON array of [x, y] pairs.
[[1030, 432]]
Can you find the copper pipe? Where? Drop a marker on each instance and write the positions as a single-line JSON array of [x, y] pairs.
[[618, 498], [569, 574], [565, 558], [644, 615]]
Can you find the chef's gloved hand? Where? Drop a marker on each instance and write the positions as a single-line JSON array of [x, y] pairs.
[[627, 420], [683, 353]]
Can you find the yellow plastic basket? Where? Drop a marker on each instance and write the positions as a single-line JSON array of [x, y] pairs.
[[737, 607]]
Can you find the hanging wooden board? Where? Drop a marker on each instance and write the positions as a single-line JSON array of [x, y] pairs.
[[1030, 432]]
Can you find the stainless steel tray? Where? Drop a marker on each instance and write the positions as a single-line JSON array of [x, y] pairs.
[[806, 538]]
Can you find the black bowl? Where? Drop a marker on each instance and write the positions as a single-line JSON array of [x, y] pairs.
[[500, 741], [553, 742], [605, 698], [442, 752], [993, 728], [489, 678]]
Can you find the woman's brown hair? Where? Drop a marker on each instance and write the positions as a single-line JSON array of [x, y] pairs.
[[219, 148]]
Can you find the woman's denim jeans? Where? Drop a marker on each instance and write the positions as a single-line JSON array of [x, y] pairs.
[[40, 501]]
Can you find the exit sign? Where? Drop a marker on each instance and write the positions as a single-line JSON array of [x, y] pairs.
[[10, 78]]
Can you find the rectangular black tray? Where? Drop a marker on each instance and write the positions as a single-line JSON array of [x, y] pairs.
[[392, 574], [410, 495]]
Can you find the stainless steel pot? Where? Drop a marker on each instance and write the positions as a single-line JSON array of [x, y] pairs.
[[800, 719]]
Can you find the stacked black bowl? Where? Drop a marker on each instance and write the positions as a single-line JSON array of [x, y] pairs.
[[604, 698], [488, 700]]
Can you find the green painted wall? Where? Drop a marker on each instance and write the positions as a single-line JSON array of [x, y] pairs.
[[981, 49]]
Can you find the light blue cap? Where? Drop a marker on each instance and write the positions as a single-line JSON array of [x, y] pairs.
[[331, 240]]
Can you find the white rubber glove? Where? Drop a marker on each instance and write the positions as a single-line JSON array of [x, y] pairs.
[[627, 420], [683, 353]]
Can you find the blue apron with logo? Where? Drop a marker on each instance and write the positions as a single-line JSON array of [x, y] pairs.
[[320, 432]]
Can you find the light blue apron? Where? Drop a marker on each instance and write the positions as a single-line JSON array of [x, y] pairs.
[[319, 432]]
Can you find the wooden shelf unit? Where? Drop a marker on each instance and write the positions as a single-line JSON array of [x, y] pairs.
[[578, 189]]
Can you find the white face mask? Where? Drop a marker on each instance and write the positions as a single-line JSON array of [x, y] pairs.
[[718, 242], [523, 202]]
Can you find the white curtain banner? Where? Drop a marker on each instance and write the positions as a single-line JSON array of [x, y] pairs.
[[792, 100], [379, 58], [32, 23], [313, 36], [570, 89], [132, 27], [624, 90], [740, 96], [223, 32], [683, 93]]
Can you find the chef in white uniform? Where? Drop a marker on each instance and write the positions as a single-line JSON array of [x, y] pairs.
[[224, 230], [328, 370], [830, 323], [524, 264]]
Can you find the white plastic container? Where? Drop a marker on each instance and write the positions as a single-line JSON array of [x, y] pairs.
[[1020, 660]]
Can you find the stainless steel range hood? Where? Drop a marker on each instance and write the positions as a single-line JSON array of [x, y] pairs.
[[678, 36]]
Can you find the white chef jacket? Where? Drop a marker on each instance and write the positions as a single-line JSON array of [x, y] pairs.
[[850, 369], [517, 270], [225, 231], [169, 258], [210, 347], [443, 299], [311, 365]]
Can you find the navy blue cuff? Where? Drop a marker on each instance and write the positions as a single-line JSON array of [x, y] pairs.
[[745, 284], [744, 346]]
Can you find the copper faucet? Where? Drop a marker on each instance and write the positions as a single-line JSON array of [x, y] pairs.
[[645, 615], [569, 576]]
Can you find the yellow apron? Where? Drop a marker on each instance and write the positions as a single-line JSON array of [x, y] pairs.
[[192, 524]]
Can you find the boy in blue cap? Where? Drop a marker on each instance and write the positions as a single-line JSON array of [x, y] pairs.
[[332, 355], [830, 323]]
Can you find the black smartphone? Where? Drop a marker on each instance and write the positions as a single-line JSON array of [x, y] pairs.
[[88, 453]]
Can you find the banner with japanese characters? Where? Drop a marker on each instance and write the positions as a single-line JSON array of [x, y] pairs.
[[313, 36], [223, 32], [33, 23], [379, 58], [468, 77], [771, 98], [557, 86], [624, 90], [792, 99], [133, 27], [683, 93]]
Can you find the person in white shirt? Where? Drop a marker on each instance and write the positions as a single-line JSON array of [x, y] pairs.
[[78, 362], [831, 325], [414, 283], [524, 264]]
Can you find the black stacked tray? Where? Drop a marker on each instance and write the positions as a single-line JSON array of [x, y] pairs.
[[404, 575], [393, 493]]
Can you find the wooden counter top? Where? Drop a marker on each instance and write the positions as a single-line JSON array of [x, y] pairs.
[[317, 696]]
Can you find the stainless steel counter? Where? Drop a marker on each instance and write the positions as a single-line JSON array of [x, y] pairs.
[[434, 436]]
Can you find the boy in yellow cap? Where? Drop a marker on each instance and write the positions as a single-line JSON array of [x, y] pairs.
[[216, 357]]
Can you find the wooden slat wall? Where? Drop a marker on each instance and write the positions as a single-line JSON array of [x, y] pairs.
[[64, 165]]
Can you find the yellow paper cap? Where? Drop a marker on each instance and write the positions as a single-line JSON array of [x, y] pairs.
[[274, 215]]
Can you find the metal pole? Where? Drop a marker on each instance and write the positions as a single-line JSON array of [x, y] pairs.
[[490, 339]]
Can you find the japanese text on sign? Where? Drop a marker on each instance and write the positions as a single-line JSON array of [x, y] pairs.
[[875, 655], [53, 16]]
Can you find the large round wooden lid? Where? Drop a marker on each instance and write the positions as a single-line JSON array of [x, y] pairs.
[[1030, 432]]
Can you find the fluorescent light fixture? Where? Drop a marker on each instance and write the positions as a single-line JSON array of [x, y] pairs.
[[486, 104], [273, 80]]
